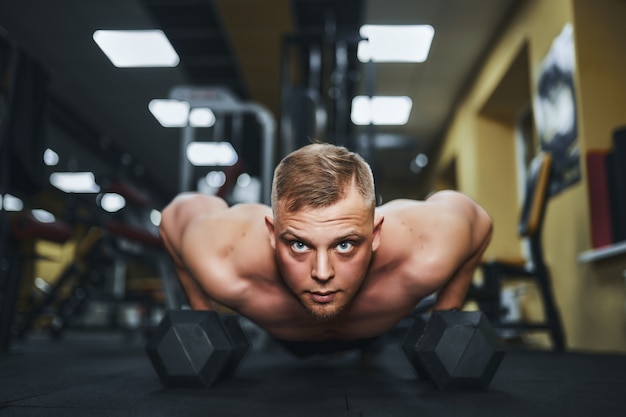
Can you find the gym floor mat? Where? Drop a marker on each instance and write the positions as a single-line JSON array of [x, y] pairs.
[[101, 374]]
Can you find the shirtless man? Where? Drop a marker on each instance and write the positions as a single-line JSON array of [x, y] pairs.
[[324, 263]]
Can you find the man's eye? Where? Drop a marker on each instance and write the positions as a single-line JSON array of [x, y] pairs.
[[345, 247], [298, 247]]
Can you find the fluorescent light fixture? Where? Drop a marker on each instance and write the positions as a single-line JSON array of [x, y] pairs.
[[211, 154], [418, 163], [244, 180], [112, 202], [386, 43], [201, 117], [247, 189], [50, 157], [136, 48], [11, 203], [170, 113], [75, 182], [155, 217], [381, 110], [42, 285], [215, 179], [43, 216]]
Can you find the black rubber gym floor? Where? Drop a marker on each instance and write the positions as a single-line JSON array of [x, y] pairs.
[[99, 374]]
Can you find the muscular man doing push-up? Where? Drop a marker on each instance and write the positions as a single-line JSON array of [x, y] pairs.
[[324, 263]]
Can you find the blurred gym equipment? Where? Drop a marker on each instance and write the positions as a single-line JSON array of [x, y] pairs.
[[223, 103], [106, 249], [23, 87], [496, 271], [317, 85]]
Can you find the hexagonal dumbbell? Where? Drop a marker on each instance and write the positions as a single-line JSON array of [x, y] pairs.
[[455, 349], [194, 349], [410, 340], [239, 341]]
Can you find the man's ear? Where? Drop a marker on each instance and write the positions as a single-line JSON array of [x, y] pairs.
[[269, 223], [378, 226]]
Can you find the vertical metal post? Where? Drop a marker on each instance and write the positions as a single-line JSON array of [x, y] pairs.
[[268, 124], [186, 169], [340, 88], [370, 91]]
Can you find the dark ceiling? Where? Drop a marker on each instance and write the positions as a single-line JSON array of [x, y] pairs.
[[100, 112]]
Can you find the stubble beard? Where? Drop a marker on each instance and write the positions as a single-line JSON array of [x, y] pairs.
[[325, 314]]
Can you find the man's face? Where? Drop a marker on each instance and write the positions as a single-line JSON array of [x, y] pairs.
[[324, 253]]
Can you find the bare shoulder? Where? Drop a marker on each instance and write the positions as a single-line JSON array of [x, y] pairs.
[[457, 202], [463, 213], [225, 233], [429, 239], [415, 228], [228, 251], [440, 211], [238, 215]]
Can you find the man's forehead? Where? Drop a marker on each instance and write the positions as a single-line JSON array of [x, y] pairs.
[[331, 212], [332, 218], [352, 201]]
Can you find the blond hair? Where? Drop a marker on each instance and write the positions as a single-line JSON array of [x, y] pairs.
[[319, 175]]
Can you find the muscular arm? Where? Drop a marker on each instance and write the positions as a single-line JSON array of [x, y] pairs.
[[472, 238], [182, 213]]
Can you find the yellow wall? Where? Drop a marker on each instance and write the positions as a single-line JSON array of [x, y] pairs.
[[601, 60], [590, 296], [601, 39]]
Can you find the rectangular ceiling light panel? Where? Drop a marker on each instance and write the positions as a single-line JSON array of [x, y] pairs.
[[170, 113], [381, 110], [137, 48], [387, 43], [211, 154], [75, 182]]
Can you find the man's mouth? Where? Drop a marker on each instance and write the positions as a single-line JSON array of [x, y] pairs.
[[322, 297]]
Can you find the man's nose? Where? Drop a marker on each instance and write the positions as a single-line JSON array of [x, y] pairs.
[[323, 268]]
